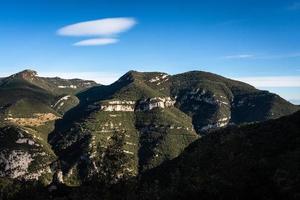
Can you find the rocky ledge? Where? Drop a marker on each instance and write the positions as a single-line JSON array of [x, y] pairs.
[[141, 105]]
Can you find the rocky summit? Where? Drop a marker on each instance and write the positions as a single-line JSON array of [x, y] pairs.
[[58, 134]]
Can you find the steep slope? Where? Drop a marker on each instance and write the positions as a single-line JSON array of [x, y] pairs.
[[158, 115], [25, 154], [257, 161], [145, 117], [29, 106], [214, 101]]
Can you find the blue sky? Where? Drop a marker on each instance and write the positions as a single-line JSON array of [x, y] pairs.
[[247, 40]]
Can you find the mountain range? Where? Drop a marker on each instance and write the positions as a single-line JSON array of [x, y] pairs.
[[198, 129]]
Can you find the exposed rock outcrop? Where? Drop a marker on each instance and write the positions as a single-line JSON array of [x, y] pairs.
[[141, 105], [125, 106], [156, 102]]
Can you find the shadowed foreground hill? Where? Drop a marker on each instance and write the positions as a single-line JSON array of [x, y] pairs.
[[258, 161]]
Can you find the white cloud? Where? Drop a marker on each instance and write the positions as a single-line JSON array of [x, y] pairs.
[[105, 30], [272, 81], [100, 77], [96, 42], [263, 57], [287, 87], [239, 56], [101, 27], [291, 94]]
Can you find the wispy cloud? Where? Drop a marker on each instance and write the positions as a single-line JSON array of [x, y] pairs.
[[101, 27], [262, 57], [272, 81], [105, 30], [100, 77], [96, 42], [280, 56], [294, 6], [238, 56]]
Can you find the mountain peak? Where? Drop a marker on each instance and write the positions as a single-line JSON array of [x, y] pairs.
[[129, 76], [26, 74], [136, 75]]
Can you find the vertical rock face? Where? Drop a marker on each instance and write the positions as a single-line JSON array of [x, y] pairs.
[[142, 105], [214, 101], [23, 155], [126, 106], [208, 110], [15, 163], [155, 102]]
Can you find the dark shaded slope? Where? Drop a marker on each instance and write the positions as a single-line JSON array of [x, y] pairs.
[[214, 101], [258, 161]]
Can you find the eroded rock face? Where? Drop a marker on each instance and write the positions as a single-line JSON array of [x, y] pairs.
[[218, 124], [156, 102], [125, 106], [159, 79], [23, 155], [209, 110], [15, 163], [142, 105]]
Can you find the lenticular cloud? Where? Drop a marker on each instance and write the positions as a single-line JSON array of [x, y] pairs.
[[96, 42], [101, 27], [107, 28]]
